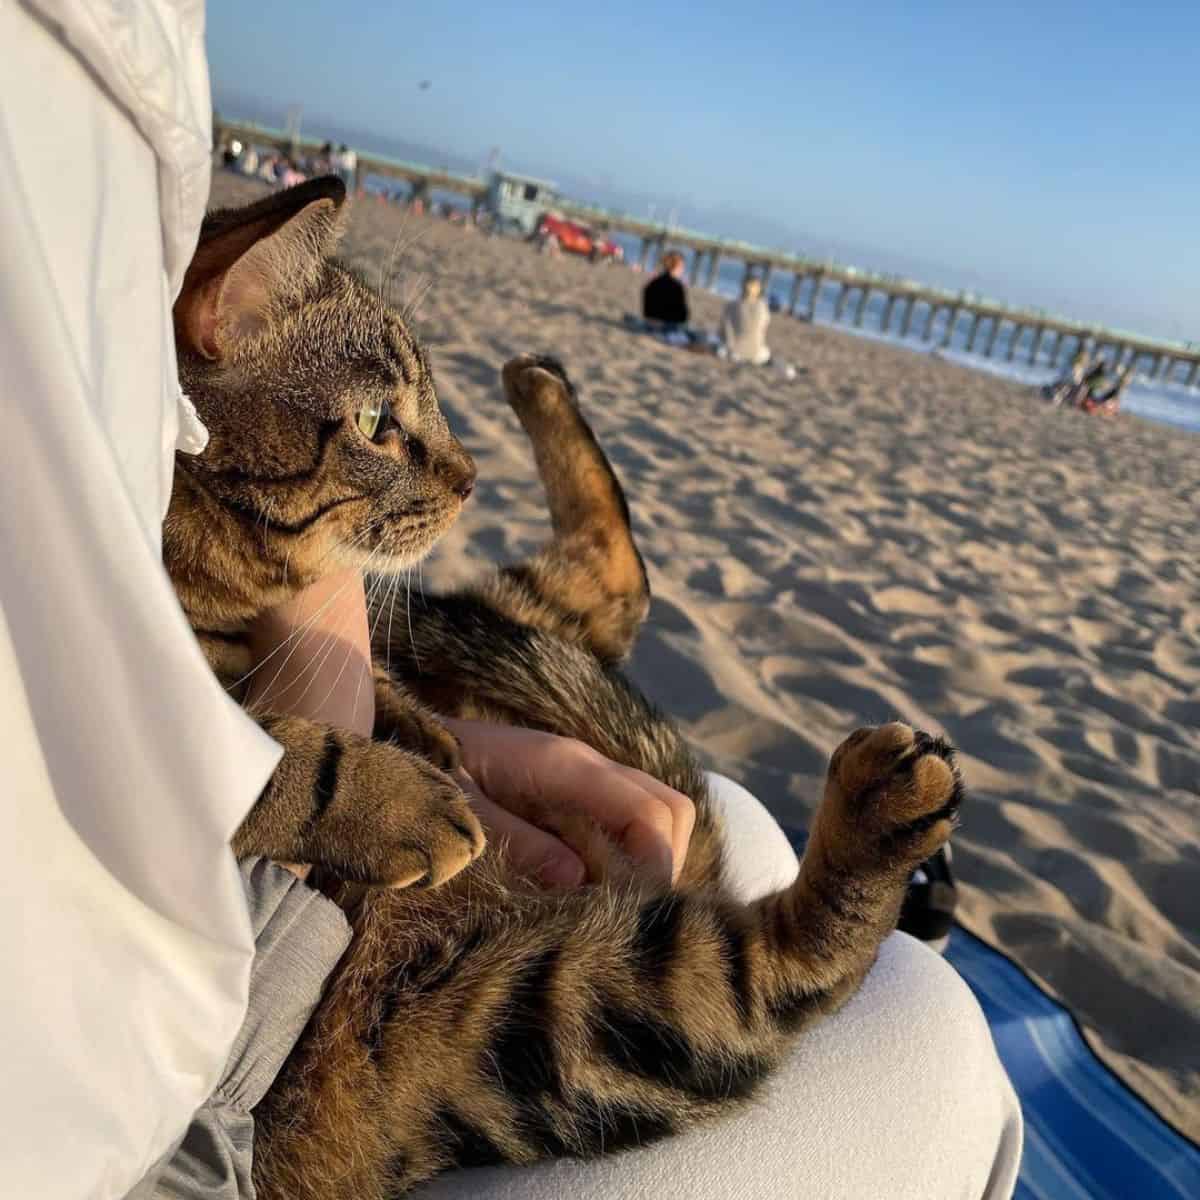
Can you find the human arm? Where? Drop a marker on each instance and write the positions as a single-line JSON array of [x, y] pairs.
[[313, 655]]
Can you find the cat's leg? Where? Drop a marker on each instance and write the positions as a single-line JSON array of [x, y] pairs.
[[589, 583], [363, 810], [405, 722], [507, 1026]]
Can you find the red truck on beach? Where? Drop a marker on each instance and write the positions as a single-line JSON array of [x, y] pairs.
[[556, 232]]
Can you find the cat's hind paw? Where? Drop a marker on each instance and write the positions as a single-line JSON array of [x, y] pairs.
[[895, 793]]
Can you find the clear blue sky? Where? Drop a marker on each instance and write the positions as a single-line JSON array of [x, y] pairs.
[[1048, 153]]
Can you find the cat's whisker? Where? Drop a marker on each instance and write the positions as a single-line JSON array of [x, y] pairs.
[[350, 651], [327, 649], [317, 662], [294, 637], [370, 639], [405, 240], [412, 641], [424, 286], [264, 517], [391, 605]]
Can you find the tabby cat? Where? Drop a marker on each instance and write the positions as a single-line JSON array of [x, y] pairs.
[[485, 1020]]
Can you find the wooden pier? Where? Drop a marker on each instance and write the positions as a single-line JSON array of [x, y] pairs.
[[1034, 335]]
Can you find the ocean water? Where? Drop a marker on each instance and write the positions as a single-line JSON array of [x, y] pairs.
[[1169, 403]]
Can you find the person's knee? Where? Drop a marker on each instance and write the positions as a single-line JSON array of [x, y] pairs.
[[759, 859], [928, 996], [925, 1003]]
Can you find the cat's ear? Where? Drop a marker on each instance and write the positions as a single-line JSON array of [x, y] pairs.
[[252, 261]]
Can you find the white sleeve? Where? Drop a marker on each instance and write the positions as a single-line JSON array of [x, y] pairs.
[[123, 928]]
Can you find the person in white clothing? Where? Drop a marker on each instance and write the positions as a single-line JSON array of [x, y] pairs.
[[345, 165], [153, 986], [744, 325]]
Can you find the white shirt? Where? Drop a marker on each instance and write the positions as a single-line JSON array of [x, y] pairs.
[[124, 937]]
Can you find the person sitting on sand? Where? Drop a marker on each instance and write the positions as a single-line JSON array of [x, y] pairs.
[[1107, 400], [1090, 382], [664, 298], [744, 325], [1065, 389]]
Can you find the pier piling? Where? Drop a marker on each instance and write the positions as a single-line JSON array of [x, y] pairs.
[[972, 328], [840, 307], [794, 297], [930, 317], [818, 280], [951, 321], [861, 307], [888, 309], [815, 294]]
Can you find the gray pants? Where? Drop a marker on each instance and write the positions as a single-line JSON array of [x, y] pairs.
[[898, 1096]]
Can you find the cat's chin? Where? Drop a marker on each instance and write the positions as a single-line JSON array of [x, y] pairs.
[[384, 559], [381, 561]]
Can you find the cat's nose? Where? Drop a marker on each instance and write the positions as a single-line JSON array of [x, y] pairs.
[[458, 472]]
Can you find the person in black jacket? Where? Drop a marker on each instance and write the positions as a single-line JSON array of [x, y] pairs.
[[663, 298]]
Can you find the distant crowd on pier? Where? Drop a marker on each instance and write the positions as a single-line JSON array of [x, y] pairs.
[[284, 170]]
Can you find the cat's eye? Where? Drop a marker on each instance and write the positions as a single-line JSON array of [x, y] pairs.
[[373, 418]]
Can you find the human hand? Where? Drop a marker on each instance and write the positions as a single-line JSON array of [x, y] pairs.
[[651, 822]]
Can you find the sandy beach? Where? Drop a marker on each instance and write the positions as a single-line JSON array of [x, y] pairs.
[[885, 536]]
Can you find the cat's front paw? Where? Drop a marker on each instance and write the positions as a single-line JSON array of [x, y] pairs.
[[421, 829], [401, 721], [891, 797]]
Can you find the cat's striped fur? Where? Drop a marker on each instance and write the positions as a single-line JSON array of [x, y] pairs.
[[486, 1021]]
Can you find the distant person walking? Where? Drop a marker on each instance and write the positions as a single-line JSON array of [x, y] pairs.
[[744, 325], [664, 298]]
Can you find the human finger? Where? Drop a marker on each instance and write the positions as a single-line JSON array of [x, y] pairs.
[[652, 822], [531, 850]]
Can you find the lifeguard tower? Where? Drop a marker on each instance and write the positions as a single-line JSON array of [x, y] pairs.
[[519, 201]]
